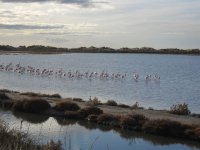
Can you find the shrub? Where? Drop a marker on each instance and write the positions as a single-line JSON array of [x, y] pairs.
[[165, 128], [93, 102], [134, 121], [111, 103], [65, 105], [126, 122], [71, 114], [107, 119], [32, 106], [36, 105], [180, 109], [89, 111]]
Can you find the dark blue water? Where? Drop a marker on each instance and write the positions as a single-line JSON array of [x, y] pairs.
[[76, 135], [180, 78]]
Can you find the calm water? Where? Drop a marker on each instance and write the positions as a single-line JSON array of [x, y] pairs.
[[76, 135], [180, 78]]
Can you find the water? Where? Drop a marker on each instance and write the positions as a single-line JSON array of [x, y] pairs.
[[76, 135], [180, 78]]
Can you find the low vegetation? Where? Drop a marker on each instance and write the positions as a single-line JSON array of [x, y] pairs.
[[31, 94], [93, 102], [91, 110], [11, 139], [166, 128], [66, 106], [180, 109], [31, 106], [111, 103]]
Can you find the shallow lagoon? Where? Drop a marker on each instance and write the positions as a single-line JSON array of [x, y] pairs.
[[180, 77]]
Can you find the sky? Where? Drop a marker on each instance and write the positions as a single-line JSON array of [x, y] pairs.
[[110, 23]]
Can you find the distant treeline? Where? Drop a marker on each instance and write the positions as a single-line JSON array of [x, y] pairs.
[[50, 49]]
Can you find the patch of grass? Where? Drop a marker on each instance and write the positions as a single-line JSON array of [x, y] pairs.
[[84, 112], [111, 103], [31, 106], [66, 106], [180, 109]]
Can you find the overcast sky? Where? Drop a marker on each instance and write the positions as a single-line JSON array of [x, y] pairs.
[[112, 23]]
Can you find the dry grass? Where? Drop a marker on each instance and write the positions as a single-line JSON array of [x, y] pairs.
[[84, 112], [15, 140], [108, 119], [93, 102], [180, 109]]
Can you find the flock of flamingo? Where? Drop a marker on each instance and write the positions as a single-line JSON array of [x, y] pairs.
[[46, 72]]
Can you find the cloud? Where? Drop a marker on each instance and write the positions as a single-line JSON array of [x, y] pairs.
[[83, 3], [25, 27]]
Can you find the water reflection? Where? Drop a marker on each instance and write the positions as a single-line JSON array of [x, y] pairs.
[[77, 131], [31, 118]]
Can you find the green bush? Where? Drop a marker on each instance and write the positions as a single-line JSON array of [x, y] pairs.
[[66, 105], [180, 109]]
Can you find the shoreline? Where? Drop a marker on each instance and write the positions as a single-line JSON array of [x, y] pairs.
[[115, 116], [40, 49]]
